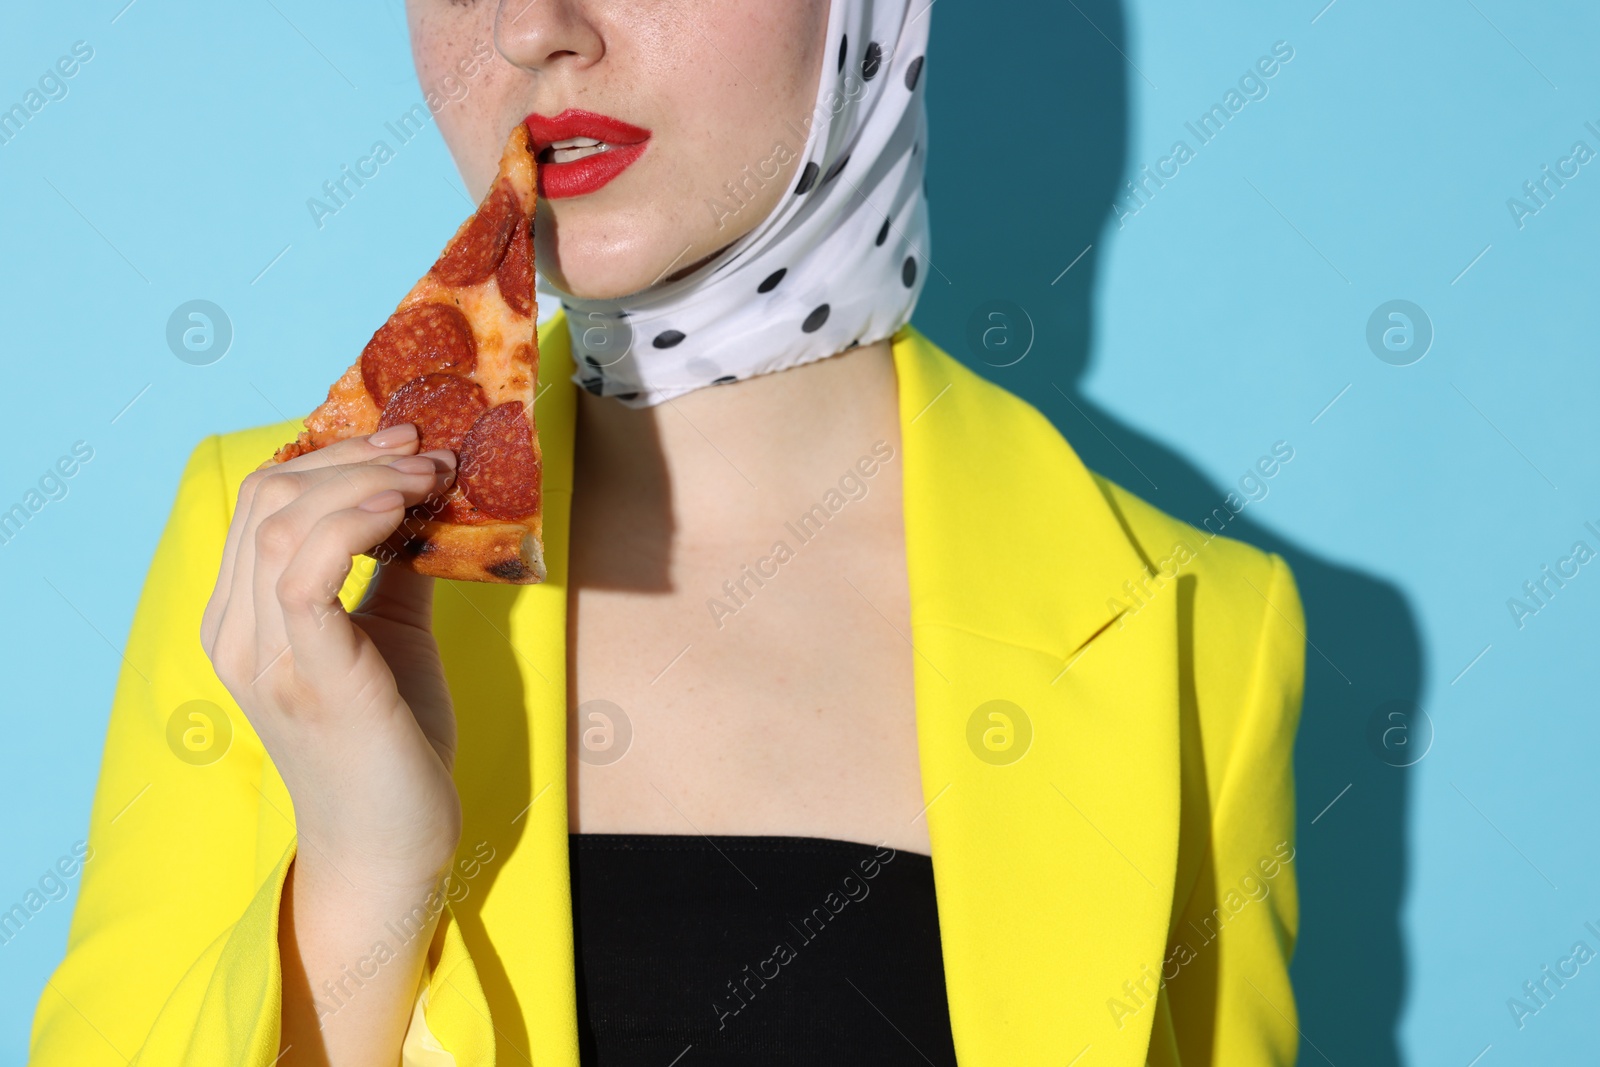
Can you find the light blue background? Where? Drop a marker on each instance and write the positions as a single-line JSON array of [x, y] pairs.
[[1224, 316]]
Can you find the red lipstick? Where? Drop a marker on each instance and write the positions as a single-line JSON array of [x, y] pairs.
[[623, 143]]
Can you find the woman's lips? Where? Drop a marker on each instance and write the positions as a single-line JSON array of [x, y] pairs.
[[622, 143]]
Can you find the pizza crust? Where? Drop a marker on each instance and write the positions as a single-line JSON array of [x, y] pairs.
[[502, 552]]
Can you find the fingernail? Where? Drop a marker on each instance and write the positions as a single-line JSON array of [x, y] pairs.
[[443, 455], [414, 465], [392, 436], [387, 500]]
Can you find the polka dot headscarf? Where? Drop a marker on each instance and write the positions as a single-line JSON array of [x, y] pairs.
[[838, 263]]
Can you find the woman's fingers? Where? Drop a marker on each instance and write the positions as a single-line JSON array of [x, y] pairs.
[[307, 590], [279, 536], [264, 494], [384, 445]]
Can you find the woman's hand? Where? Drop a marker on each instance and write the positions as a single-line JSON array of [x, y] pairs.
[[354, 711], [352, 707]]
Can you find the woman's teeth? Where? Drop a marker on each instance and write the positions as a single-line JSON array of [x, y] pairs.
[[574, 148]]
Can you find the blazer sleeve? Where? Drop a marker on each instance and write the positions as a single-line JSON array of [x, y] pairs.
[[172, 956], [1233, 937]]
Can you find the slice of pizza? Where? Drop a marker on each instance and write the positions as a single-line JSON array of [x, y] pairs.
[[459, 358]]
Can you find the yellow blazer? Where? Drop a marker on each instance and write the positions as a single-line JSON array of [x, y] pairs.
[[1117, 886]]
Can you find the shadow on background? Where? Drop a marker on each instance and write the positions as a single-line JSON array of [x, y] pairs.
[[1052, 83]]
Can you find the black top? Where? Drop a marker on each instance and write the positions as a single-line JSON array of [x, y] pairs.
[[699, 951]]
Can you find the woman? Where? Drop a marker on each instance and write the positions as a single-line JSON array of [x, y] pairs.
[[856, 722]]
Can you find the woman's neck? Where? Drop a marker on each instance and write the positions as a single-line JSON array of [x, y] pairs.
[[710, 469]]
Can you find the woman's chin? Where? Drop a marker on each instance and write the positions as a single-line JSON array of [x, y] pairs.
[[595, 254], [598, 277], [591, 289]]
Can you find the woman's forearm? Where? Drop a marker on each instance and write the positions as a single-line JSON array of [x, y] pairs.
[[352, 965]]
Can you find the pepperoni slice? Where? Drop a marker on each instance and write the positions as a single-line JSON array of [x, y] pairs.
[[424, 339], [515, 276], [443, 408], [479, 247], [498, 471]]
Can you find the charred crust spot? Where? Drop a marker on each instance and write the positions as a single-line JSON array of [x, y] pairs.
[[510, 570]]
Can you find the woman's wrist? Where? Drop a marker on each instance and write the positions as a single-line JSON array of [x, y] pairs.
[[386, 863], [370, 882]]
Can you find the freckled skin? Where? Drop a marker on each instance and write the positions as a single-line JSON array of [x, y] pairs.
[[717, 82]]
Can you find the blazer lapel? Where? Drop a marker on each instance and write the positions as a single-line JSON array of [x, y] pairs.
[[1054, 815]]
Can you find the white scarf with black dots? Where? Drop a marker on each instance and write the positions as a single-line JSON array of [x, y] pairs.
[[838, 263]]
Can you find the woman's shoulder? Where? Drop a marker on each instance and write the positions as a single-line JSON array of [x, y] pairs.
[[1171, 546], [1013, 444]]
